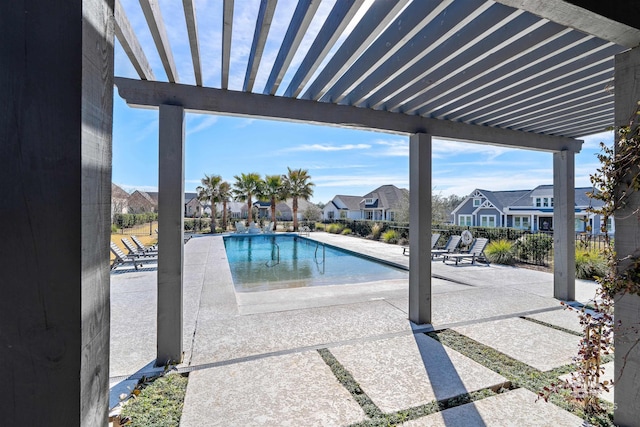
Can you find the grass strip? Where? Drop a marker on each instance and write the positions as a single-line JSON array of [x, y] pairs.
[[549, 325], [156, 402], [520, 374], [346, 379]]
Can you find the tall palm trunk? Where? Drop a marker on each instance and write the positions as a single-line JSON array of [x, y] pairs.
[[295, 213], [273, 213]]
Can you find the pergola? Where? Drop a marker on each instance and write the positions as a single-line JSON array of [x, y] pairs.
[[526, 74]]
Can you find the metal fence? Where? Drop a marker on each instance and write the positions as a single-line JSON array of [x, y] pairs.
[[147, 228]]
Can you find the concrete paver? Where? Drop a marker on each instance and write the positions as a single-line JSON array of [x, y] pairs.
[[515, 408], [404, 372], [536, 345], [290, 390]]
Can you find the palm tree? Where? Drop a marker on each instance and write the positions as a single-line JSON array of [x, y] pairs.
[[209, 192], [224, 193], [245, 187], [273, 191], [297, 185]]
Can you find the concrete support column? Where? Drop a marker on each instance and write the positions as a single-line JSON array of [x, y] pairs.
[[56, 81], [564, 239], [420, 229], [627, 243], [170, 234]]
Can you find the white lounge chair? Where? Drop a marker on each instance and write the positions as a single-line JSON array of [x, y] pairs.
[[240, 228], [254, 229], [268, 228]]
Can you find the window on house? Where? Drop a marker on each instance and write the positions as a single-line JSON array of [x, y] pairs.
[[538, 202], [465, 220], [487, 220], [392, 216], [368, 215], [545, 202], [552, 202], [609, 225], [330, 215], [579, 225], [368, 201], [343, 214], [477, 202], [521, 222]]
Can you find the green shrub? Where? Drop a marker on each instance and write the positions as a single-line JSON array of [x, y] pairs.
[[590, 264], [346, 231], [114, 229], [335, 228], [320, 227], [500, 252], [534, 247], [390, 236]]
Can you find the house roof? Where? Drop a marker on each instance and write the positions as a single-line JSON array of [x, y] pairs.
[[388, 197], [523, 198], [118, 193], [352, 202]]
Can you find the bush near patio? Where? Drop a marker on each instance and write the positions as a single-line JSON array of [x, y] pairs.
[[500, 252], [390, 236], [590, 264], [335, 228]]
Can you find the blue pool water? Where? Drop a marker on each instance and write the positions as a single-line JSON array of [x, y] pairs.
[[267, 262]]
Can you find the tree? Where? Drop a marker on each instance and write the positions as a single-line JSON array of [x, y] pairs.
[[272, 191], [245, 187], [297, 186], [224, 193], [209, 192]]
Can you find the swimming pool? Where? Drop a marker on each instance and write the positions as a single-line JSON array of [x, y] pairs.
[[268, 262]]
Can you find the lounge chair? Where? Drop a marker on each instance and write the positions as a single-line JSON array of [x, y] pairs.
[[133, 250], [268, 228], [122, 258], [142, 247], [449, 247], [304, 231], [434, 240], [476, 251], [254, 229], [240, 228]]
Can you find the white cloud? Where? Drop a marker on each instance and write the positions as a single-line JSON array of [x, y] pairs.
[[444, 149], [327, 147], [130, 188], [392, 148], [593, 141], [205, 122], [366, 181]]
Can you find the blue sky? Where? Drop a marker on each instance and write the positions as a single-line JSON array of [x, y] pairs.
[[340, 161]]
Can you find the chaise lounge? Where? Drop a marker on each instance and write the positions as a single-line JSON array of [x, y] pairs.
[[476, 251], [449, 247]]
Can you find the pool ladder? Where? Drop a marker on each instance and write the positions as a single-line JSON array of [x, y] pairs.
[[277, 253], [318, 263]]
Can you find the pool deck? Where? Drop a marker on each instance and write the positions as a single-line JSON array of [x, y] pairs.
[[256, 359]]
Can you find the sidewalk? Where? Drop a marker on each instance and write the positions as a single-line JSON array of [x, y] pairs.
[[279, 357]]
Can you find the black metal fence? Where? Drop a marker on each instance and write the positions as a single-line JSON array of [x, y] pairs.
[[528, 247]]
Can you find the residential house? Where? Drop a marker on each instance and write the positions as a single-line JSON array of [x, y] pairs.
[[142, 202], [343, 207], [525, 209], [119, 200], [193, 208], [381, 204]]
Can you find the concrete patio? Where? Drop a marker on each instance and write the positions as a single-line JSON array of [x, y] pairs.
[[259, 359]]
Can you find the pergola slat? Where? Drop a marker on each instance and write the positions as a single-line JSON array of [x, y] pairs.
[[263, 23], [299, 24], [330, 32], [192, 30], [227, 29], [152, 14], [410, 22], [379, 15], [445, 38], [130, 43]]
